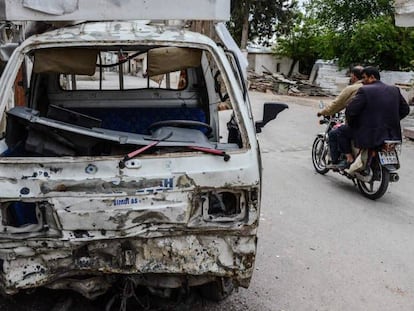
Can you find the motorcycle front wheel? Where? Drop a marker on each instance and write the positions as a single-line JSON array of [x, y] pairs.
[[319, 155], [378, 185]]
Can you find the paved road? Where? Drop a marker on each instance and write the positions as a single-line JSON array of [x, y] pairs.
[[322, 246]]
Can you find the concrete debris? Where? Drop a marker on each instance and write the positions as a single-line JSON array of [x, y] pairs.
[[407, 123], [409, 132], [297, 85]]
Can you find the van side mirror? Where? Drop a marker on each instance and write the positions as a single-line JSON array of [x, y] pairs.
[[270, 112]]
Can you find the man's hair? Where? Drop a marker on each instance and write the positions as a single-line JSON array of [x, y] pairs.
[[357, 72], [371, 71]]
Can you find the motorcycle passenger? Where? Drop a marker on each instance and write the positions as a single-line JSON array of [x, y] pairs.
[[373, 114], [337, 105]]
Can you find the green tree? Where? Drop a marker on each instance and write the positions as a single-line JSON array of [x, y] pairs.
[[302, 44], [378, 42], [260, 19], [351, 31], [344, 15]]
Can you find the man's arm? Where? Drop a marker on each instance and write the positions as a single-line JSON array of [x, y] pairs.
[[355, 106], [341, 101]]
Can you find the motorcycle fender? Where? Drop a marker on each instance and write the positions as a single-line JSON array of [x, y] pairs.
[[392, 167]]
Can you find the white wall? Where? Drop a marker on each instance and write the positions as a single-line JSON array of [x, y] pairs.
[[259, 60], [327, 75], [404, 15], [392, 77]]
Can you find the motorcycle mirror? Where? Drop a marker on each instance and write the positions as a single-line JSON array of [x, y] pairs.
[[321, 105]]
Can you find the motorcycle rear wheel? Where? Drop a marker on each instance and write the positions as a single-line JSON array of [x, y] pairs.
[[378, 185], [319, 155]]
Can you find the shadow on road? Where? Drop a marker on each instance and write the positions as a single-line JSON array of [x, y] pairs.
[[141, 299]]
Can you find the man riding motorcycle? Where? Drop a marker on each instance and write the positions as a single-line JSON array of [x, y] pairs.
[[373, 114], [340, 102]]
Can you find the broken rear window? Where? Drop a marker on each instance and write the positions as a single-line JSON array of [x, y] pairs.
[[163, 68]]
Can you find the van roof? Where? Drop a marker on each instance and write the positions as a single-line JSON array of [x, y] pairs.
[[128, 33]]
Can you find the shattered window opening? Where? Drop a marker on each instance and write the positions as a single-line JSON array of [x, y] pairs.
[[67, 117]]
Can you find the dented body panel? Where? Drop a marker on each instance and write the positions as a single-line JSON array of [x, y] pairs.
[[172, 215], [158, 223]]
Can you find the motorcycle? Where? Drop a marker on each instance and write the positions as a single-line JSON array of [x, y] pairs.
[[372, 170]]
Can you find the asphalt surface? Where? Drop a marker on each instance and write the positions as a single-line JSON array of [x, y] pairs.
[[322, 245]]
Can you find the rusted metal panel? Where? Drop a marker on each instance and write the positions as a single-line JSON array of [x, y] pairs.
[[122, 213], [80, 177], [192, 255], [19, 96], [164, 216]]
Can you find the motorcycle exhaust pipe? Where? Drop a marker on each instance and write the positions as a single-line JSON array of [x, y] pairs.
[[394, 177]]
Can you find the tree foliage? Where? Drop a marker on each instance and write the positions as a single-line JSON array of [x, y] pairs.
[[351, 31], [302, 44], [379, 43], [260, 19], [343, 15]]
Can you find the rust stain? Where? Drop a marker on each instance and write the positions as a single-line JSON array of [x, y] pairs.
[[185, 182], [99, 186], [150, 216]]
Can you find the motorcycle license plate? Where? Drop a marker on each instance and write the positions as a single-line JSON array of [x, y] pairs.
[[388, 157]]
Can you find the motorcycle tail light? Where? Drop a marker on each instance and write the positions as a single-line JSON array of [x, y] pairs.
[[388, 147]]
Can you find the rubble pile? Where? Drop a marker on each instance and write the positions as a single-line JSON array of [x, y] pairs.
[[297, 85]]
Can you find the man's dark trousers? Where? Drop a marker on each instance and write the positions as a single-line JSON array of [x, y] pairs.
[[334, 145], [344, 136]]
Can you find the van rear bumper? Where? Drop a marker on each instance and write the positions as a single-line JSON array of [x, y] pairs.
[[193, 259]]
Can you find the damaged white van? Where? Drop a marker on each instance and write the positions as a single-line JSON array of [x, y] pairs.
[[116, 161]]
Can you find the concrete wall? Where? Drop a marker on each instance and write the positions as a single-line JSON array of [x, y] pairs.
[[404, 15], [257, 62], [393, 77], [404, 80], [329, 77]]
